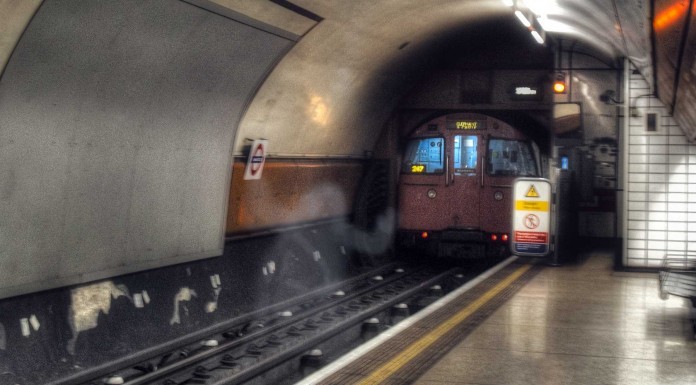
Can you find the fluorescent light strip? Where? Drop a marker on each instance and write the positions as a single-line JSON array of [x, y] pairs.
[[537, 37], [520, 15]]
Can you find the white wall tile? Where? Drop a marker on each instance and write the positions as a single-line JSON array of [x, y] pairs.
[[636, 177], [677, 159], [657, 149], [678, 169], [637, 168], [636, 158], [657, 216], [657, 188], [677, 139], [637, 235], [657, 206], [656, 235], [636, 254], [657, 168], [641, 149], [657, 178], [677, 178], [637, 196], [677, 207], [638, 187], [656, 255], [677, 188], [638, 140], [676, 197], [659, 226], [638, 225], [676, 246], [661, 158], [637, 206], [677, 226], [658, 139], [676, 236], [636, 244]]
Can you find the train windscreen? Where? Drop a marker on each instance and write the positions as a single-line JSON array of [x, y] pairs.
[[465, 154], [511, 158], [424, 156]]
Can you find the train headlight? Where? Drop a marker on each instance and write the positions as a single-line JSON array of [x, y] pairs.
[[498, 195], [432, 194]]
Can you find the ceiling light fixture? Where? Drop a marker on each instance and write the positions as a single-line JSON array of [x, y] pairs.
[[531, 22], [523, 18], [537, 37]]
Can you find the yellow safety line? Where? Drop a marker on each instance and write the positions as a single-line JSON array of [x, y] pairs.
[[412, 351]]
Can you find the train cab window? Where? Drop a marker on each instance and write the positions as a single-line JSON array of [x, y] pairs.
[[465, 154], [424, 156], [511, 158]]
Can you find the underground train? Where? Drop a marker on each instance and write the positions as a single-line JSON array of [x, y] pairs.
[[455, 185]]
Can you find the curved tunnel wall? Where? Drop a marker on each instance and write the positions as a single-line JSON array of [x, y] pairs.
[[116, 124]]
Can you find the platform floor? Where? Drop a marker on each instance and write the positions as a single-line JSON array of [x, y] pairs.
[[577, 324]]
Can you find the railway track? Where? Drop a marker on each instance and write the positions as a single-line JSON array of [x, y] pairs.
[[283, 344]]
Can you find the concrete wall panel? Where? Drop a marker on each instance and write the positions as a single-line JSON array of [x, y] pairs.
[[116, 125]]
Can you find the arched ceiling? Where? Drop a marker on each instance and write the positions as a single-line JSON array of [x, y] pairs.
[[333, 91], [346, 74]]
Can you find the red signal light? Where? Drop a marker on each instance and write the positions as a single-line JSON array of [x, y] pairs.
[[425, 235], [494, 237], [504, 237]]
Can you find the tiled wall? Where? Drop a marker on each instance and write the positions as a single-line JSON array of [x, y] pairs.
[[660, 183]]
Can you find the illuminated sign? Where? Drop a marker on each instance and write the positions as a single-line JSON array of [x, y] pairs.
[[417, 168], [525, 91], [466, 125]]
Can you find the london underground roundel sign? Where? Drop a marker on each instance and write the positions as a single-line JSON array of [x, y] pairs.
[[257, 157]]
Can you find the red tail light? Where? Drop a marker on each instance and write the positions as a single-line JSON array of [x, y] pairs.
[[494, 237], [504, 237], [425, 235]]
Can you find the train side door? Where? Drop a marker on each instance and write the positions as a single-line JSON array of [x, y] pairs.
[[465, 180]]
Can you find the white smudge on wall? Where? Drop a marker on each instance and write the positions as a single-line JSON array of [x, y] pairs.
[[87, 303], [184, 295]]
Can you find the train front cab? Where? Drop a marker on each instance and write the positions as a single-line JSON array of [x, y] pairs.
[[455, 186]]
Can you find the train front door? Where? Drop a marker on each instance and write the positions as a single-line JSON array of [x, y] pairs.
[[464, 189]]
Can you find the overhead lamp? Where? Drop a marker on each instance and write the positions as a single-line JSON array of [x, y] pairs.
[[524, 19], [529, 20], [539, 39], [509, 3]]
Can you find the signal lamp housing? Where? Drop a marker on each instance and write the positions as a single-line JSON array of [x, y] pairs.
[[559, 84]]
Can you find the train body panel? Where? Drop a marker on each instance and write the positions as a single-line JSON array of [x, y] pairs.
[[456, 183]]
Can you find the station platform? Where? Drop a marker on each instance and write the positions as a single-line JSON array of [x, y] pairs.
[[530, 324]]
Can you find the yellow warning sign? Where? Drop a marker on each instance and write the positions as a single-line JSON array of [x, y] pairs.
[[531, 206], [532, 193]]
